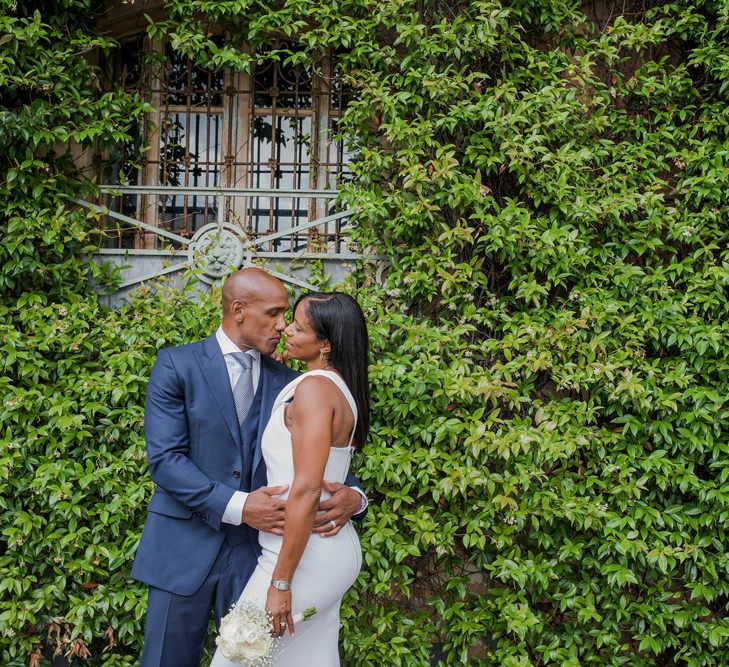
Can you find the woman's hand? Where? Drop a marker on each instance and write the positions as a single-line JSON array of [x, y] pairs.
[[282, 358], [278, 604]]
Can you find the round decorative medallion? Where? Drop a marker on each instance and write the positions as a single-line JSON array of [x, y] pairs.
[[217, 249]]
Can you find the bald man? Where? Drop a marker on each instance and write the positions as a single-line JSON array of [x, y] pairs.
[[207, 406]]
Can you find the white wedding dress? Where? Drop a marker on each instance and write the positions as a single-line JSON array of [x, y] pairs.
[[328, 566]]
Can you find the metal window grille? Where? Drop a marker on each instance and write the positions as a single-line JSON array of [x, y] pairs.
[[217, 140]]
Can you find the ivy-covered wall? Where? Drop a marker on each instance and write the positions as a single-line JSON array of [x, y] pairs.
[[549, 461]]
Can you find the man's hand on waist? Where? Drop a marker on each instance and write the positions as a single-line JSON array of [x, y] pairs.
[[337, 510], [263, 511]]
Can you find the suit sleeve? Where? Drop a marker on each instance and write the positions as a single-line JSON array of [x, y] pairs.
[[168, 442]]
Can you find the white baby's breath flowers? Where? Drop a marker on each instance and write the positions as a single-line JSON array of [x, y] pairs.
[[245, 635]]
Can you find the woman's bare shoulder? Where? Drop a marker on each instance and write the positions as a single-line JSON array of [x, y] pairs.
[[315, 385]]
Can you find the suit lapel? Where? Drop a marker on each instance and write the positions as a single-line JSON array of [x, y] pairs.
[[270, 383], [215, 371]]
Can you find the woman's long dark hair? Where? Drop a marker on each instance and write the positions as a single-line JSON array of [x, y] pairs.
[[337, 317]]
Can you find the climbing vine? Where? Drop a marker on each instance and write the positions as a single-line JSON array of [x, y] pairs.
[[548, 467]]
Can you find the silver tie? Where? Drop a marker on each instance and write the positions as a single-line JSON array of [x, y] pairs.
[[243, 390]]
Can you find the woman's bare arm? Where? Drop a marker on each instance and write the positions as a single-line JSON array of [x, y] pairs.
[[311, 415]]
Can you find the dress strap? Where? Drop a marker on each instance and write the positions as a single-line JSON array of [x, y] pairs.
[[288, 392]]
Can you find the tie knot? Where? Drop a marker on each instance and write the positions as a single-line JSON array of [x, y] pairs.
[[244, 359]]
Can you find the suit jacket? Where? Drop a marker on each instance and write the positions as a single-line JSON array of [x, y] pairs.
[[195, 457]]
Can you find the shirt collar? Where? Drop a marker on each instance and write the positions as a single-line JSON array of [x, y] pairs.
[[227, 346]]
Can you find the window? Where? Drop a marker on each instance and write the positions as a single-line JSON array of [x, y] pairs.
[[257, 152]]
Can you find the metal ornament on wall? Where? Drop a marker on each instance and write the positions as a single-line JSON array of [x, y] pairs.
[[216, 249], [219, 248]]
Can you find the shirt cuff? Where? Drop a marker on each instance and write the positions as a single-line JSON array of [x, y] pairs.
[[363, 503], [234, 510]]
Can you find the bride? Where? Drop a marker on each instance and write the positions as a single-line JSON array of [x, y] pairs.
[[316, 421]]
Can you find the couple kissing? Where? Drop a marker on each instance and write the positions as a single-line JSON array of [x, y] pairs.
[[250, 459]]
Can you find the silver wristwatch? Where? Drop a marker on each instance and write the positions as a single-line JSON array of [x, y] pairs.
[[280, 585]]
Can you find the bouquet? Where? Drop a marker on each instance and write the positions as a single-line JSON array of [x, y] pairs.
[[245, 634]]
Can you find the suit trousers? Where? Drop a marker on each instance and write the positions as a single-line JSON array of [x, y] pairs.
[[177, 625]]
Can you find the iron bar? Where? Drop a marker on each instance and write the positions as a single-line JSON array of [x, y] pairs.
[[213, 190]]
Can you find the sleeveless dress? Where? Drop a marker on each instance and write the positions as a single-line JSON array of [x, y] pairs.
[[328, 567]]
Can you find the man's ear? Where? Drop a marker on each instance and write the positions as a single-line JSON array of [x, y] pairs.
[[238, 308]]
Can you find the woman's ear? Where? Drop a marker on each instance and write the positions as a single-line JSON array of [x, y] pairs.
[[326, 348]]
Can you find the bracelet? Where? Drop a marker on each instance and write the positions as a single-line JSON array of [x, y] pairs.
[[280, 585]]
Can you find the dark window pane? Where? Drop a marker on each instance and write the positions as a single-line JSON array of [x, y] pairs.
[[282, 85], [190, 156], [281, 156], [189, 84]]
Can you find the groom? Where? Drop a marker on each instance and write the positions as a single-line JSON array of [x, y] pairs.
[[207, 406]]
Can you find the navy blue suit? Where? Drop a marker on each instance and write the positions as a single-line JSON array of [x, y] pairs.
[[198, 457]]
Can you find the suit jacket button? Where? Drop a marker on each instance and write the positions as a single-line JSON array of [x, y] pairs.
[[236, 474]]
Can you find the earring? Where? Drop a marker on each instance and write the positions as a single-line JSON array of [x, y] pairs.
[[321, 355]]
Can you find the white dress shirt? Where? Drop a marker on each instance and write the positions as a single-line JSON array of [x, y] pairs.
[[234, 510]]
